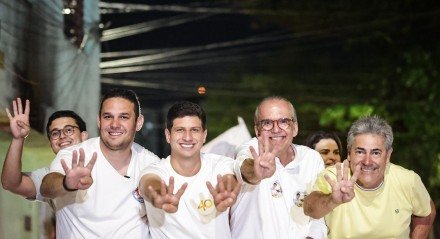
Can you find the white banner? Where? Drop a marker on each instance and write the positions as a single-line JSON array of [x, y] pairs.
[[228, 141]]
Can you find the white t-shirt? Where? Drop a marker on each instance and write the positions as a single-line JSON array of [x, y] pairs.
[[274, 208], [111, 207], [37, 177], [196, 216]]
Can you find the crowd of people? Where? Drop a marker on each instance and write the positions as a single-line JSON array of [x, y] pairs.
[[111, 187]]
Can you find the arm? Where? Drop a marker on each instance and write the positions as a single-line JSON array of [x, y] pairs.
[[421, 226], [12, 178], [262, 165], [318, 204], [78, 177], [154, 190], [226, 192]]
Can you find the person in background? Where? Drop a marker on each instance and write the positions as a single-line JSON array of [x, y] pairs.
[[277, 175], [64, 128], [98, 197], [327, 144], [368, 196], [201, 187]]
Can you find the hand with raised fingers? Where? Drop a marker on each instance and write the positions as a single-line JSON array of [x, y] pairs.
[[264, 161], [225, 193], [343, 187], [79, 176], [19, 119], [166, 199]]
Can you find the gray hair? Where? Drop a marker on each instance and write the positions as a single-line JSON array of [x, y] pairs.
[[371, 125], [280, 98]]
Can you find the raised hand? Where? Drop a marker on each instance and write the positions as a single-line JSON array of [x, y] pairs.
[[166, 200], [79, 176], [264, 161], [343, 188], [19, 121], [224, 195]]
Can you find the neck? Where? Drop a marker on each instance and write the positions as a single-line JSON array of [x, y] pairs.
[[186, 167], [286, 156], [118, 159]]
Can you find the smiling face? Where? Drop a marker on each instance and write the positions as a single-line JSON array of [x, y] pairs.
[[368, 151], [118, 124], [186, 137], [275, 109], [64, 140], [328, 148]]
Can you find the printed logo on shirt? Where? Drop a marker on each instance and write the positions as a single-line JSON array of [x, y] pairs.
[[299, 198], [396, 211], [206, 206], [276, 190], [137, 195]]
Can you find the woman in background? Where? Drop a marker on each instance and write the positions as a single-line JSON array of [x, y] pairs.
[[327, 144]]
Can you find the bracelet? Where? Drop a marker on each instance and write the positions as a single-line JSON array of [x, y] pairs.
[[65, 186]]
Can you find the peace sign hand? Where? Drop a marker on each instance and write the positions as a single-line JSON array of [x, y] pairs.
[[224, 195], [79, 176], [264, 161], [19, 121], [343, 188], [166, 200]]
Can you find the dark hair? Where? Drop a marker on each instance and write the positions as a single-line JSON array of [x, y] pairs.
[[125, 94], [182, 109], [315, 137], [68, 114]]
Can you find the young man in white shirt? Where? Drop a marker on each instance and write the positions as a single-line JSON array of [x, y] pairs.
[[98, 197], [189, 206]]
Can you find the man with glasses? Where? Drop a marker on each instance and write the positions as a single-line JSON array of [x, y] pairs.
[[277, 175], [64, 128], [380, 199]]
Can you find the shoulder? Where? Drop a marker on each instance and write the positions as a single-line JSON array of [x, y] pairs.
[[215, 157], [244, 148], [144, 153], [401, 175], [308, 156]]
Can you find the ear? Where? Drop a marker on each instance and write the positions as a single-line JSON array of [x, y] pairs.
[[139, 122], [84, 135], [98, 121], [389, 154], [295, 129], [257, 131], [205, 133], [167, 135]]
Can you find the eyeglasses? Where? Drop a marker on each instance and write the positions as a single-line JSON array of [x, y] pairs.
[[68, 130], [268, 124]]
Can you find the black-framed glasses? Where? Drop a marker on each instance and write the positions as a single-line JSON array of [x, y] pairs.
[[68, 130], [268, 124]]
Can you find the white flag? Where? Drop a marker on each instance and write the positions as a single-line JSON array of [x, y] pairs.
[[228, 141]]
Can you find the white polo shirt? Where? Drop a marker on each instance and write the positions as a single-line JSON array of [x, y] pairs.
[[273, 208]]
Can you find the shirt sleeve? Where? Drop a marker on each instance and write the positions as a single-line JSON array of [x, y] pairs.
[[225, 165], [420, 199], [321, 183], [37, 178], [318, 229], [243, 153]]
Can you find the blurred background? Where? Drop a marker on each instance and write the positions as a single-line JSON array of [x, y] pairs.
[[335, 60]]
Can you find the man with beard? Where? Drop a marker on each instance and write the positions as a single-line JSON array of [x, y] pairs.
[[98, 197], [277, 175]]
